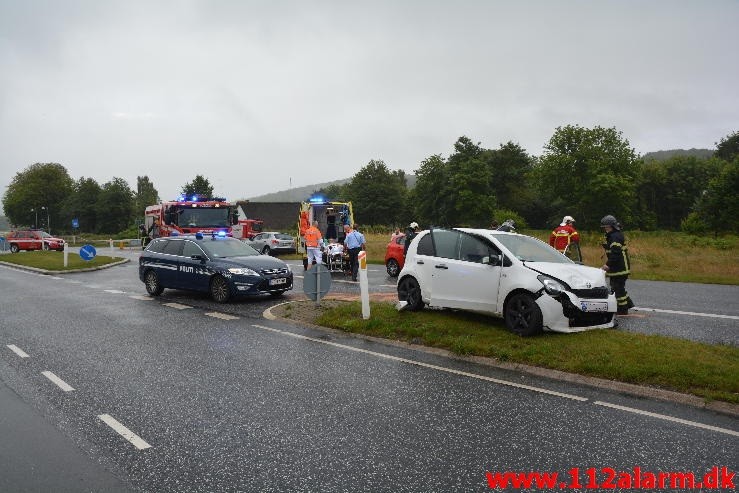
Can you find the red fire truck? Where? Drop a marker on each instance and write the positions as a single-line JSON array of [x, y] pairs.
[[201, 214]]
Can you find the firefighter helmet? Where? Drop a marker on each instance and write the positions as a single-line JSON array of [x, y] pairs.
[[610, 221]]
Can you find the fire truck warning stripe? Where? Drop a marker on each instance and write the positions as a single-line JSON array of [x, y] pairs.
[[135, 440], [58, 381]]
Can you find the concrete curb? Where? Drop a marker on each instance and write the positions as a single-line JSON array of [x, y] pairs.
[[44, 271], [600, 383]]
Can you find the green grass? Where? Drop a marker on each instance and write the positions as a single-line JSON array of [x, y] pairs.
[[708, 371], [54, 261]]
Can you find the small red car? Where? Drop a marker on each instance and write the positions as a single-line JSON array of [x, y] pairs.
[[395, 256], [32, 239]]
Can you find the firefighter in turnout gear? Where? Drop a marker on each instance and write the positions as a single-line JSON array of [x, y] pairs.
[[564, 234], [617, 264]]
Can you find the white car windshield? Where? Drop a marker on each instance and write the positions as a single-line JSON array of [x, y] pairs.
[[530, 249], [226, 247]]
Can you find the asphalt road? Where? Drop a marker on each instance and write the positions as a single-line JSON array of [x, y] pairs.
[[214, 403]]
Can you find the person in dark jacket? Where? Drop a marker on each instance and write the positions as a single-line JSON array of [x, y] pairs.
[[410, 232], [617, 264]]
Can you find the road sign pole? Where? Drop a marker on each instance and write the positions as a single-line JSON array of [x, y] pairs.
[[364, 284]]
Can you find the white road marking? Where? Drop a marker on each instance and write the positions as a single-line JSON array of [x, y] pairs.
[[142, 298], [114, 291], [222, 316], [58, 381], [135, 440], [177, 306], [55, 277], [668, 418], [427, 365], [18, 351], [677, 312]]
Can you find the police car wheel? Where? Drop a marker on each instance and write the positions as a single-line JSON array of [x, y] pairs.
[[153, 287], [219, 289]]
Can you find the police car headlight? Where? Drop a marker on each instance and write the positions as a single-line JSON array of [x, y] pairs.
[[551, 286], [244, 271]]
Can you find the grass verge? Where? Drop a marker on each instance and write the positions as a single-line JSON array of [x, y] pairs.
[[55, 260], [708, 371]]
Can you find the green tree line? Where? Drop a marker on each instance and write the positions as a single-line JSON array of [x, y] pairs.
[[45, 196], [583, 172]]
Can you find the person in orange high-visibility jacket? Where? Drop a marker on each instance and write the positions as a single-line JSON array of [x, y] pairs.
[[313, 244], [564, 234]]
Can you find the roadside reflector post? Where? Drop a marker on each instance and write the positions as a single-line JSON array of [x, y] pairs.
[[364, 284], [66, 255], [112, 250]]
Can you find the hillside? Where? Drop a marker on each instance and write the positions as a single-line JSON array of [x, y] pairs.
[[301, 194], [664, 155]]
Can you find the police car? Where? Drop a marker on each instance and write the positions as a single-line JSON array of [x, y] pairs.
[[223, 266]]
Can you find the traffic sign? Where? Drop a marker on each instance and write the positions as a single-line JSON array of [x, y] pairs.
[[88, 252], [75, 223], [316, 282]]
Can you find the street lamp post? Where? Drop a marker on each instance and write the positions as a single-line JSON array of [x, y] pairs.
[[48, 224]]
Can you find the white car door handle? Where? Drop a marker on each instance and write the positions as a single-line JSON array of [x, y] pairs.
[[419, 262], [441, 266]]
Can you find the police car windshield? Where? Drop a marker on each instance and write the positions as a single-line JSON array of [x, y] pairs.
[[531, 249], [226, 247]]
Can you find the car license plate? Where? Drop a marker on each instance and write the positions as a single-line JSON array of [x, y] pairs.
[[275, 282], [594, 306]]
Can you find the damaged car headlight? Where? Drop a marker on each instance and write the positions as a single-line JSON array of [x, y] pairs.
[[551, 286]]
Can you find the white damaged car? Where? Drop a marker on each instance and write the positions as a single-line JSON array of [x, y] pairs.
[[517, 277]]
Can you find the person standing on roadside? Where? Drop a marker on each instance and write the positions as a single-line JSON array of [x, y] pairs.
[[313, 241], [410, 232], [354, 243], [564, 234], [617, 264], [155, 230]]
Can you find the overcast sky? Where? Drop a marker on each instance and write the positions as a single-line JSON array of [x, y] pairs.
[[261, 95]]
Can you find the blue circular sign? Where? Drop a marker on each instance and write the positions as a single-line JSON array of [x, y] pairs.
[[88, 252]]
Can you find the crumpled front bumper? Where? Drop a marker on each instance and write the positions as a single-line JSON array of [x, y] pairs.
[[564, 313]]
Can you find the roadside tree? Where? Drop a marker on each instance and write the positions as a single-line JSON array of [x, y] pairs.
[[198, 186], [41, 185], [728, 147], [377, 194], [115, 207], [146, 194], [589, 172], [82, 204]]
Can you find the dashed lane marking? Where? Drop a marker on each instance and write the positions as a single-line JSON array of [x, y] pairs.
[[222, 316], [694, 314], [427, 365], [132, 437], [18, 351], [58, 381], [178, 306], [114, 291], [141, 298], [668, 418]]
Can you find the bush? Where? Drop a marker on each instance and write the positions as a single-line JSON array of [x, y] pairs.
[[501, 215], [693, 225]]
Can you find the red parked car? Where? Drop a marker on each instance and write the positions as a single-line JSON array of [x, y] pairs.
[[32, 239], [394, 256]]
